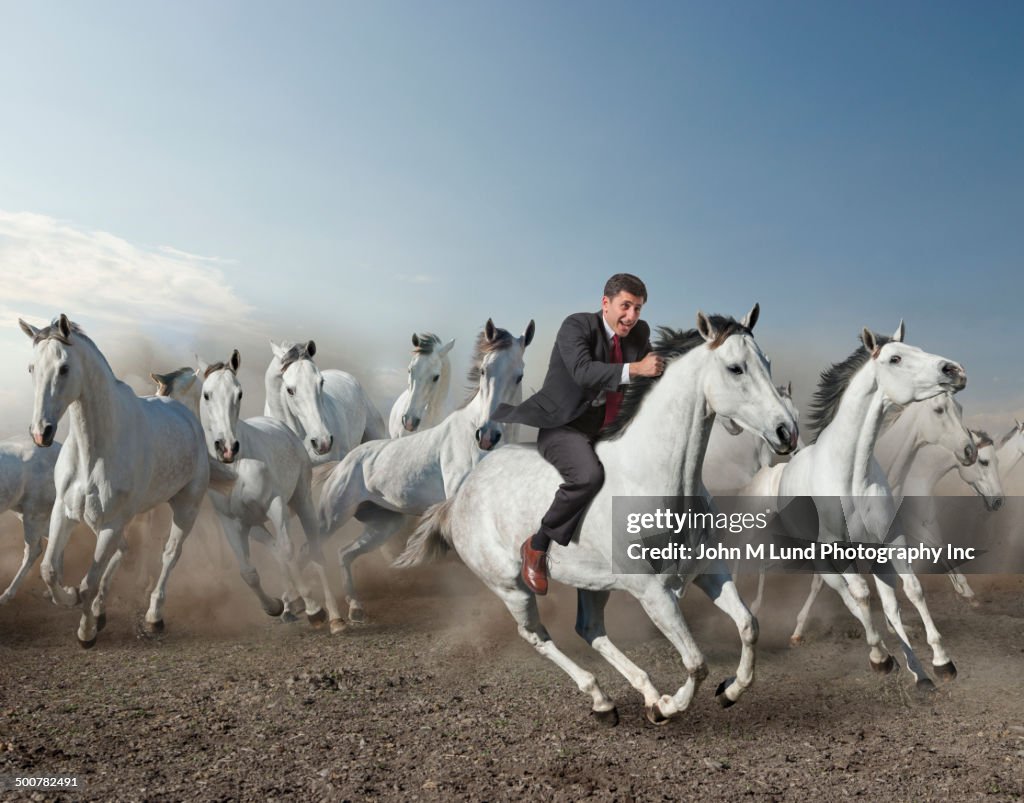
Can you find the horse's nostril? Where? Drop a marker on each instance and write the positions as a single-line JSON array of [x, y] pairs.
[[47, 433], [234, 447], [218, 445], [998, 503]]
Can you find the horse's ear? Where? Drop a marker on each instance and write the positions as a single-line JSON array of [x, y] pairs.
[[64, 325], [236, 360], [161, 383], [200, 366], [415, 340], [789, 388], [446, 347], [705, 328], [277, 349], [528, 334], [311, 348], [901, 330], [489, 330], [28, 329], [867, 337], [1019, 425], [751, 317]]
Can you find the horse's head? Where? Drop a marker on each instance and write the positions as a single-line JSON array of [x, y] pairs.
[[302, 396], [907, 374], [1013, 443], [428, 366], [983, 474], [57, 375], [738, 383], [940, 421], [219, 407], [183, 385], [498, 368]]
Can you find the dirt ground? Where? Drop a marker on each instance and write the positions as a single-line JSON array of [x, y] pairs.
[[438, 698]]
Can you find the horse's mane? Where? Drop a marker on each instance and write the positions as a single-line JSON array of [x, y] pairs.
[[501, 341], [1005, 439], [428, 341], [832, 385], [53, 332], [982, 438], [295, 352], [670, 345]]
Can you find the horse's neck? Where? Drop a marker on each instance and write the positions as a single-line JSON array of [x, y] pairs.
[[898, 448], [1008, 455], [850, 436], [662, 449], [96, 413], [931, 466], [273, 408]]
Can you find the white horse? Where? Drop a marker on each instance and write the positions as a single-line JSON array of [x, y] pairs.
[[124, 455], [1010, 449], [421, 405], [902, 451], [655, 448], [734, 456], [270, 475], [26, 487], [328, 410], [387, 483], [849, 488]]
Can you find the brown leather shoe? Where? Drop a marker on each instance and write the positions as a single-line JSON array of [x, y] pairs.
[[535, 568]]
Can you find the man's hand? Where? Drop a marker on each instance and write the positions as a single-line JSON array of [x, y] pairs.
[[651, 365]]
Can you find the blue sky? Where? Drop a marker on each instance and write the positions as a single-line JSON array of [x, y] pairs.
[[354, 172]]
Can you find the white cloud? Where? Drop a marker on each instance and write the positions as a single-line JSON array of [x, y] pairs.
[[49, 266]]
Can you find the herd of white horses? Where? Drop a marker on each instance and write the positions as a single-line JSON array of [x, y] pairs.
[[884, 424]]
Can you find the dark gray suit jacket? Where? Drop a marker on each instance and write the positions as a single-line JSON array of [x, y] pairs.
[[578, 371]]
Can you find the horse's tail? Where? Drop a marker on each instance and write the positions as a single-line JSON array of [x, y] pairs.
[[431, 539]]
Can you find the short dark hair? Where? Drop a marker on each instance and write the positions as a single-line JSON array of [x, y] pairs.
[[625, 281]]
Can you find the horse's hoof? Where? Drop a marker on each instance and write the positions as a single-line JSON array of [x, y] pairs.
[[317, 619], [885, 667], [945, 671], [973, 602], [275, 609], [796, 640], [925, 686], [654, 715], [101, 621], [720, 695], [87, 645], [609, 717], [288, 617], [338, 626], [357, 616], [155, 627]]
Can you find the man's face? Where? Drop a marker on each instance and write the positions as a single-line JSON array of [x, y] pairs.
[[622, 312]]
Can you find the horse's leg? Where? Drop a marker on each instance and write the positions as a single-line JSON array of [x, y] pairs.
[[886, 585], [661, 604], [293, 602], [108, 541], [853, 591], [183, 516], [381, 525], [721, 589], [99, 604], [817, 581], [941, 662], [523, 607], [237, 535], [52, 569], [34, 530], [963, 588], [305, 510], [279, 513], [590, 627], [755, 606]]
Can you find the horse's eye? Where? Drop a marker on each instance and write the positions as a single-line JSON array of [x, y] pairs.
[[321, 383], [30, 369], [983, 462], [895, 359], [239, 395], [938, 411], [63, 370], [291, 391], [519, 379], [206, 396], [735, 369], [437, 377]]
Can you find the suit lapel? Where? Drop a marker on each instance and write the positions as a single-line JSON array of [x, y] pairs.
[[601, 352]]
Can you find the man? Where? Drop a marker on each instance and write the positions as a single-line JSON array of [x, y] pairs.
[[594, 354]]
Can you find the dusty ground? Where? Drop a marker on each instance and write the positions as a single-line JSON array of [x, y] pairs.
[[438, 698]]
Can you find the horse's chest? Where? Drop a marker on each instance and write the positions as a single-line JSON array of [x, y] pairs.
[[94, 502]]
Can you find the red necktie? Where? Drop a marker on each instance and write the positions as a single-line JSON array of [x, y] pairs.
[[613, 399]]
